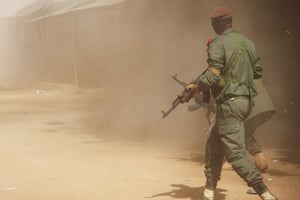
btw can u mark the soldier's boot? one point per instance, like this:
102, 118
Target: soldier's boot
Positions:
268, 196
260, 162
208, 194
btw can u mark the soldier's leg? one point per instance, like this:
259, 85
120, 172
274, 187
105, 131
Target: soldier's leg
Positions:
252, 144
214, 156
230, 125
251, 125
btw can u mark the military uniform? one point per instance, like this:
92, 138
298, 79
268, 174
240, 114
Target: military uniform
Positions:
262, 110
234, 56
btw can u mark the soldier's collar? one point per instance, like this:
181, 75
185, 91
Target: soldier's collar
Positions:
229, 30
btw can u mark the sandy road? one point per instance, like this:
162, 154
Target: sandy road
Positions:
47, 153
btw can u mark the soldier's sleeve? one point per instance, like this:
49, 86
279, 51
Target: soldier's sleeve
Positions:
216, 54
257, 68
256, 62
215, 60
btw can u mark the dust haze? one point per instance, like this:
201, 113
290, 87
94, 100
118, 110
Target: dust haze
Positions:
116, 62
131, 50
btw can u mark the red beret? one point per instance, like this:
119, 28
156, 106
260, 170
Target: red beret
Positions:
222, 12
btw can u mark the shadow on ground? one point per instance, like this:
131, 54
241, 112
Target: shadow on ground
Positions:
184, 191
198, 158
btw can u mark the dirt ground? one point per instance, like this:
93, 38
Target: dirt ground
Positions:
53, 148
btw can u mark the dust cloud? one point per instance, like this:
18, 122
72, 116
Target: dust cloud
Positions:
130, 50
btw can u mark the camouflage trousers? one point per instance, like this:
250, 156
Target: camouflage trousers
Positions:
228, 140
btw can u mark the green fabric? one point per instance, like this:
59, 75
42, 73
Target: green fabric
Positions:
228, 139
236, 58
263, 104
262, 111
252, 144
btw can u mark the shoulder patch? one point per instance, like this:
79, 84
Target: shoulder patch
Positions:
209, 40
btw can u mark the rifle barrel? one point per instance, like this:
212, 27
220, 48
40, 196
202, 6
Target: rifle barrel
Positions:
182, 83
174, 105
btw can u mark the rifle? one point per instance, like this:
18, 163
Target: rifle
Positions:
175, 103
187, 94
197, 96
182, 83
199, 101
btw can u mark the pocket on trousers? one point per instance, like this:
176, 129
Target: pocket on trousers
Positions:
237, 108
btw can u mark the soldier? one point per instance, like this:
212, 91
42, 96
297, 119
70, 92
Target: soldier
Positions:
233, 63
262, 111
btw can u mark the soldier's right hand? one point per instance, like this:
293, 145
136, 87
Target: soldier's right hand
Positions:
188, 92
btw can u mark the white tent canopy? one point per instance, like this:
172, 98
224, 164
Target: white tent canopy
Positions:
45, 8
9, 8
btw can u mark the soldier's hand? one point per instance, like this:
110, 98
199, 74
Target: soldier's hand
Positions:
188, 92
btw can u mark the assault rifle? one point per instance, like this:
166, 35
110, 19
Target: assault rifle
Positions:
186, 94
200, 99
175, 103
